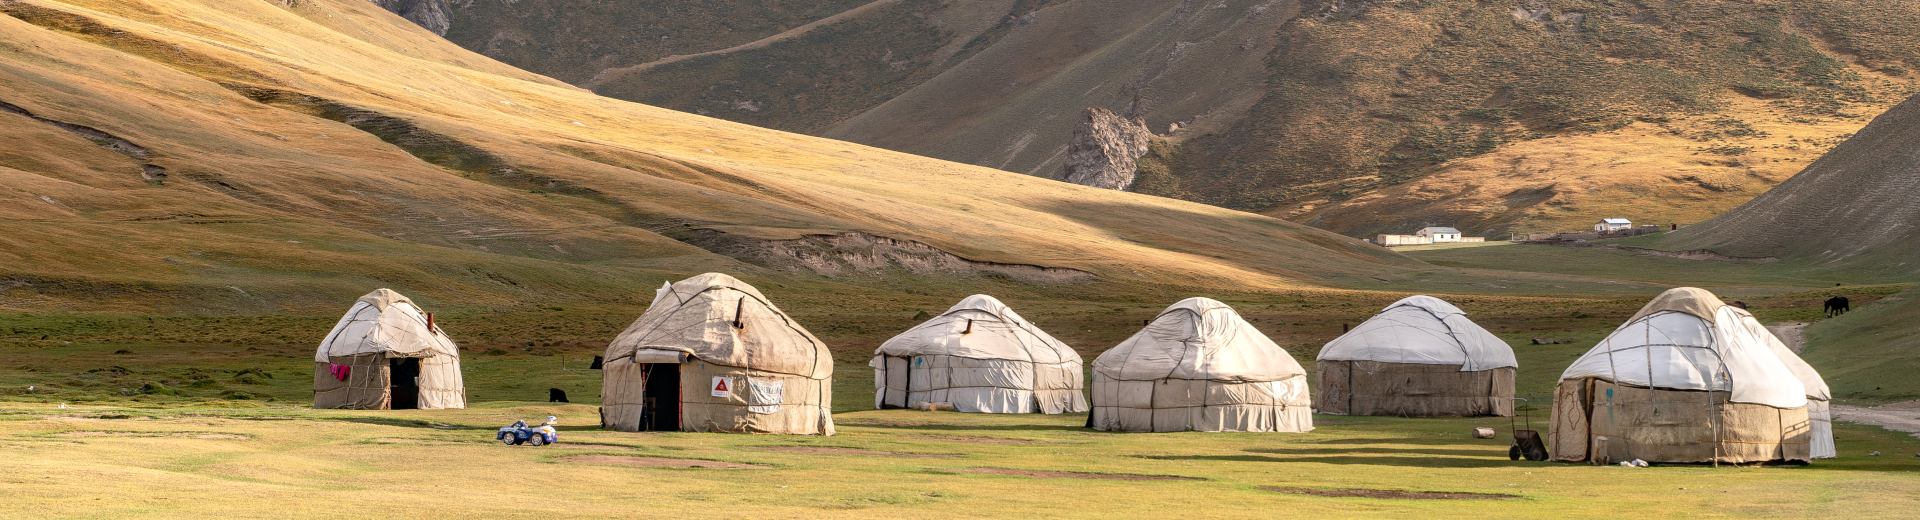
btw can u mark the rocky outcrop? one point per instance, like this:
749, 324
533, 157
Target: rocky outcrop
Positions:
1104, 149
434, 15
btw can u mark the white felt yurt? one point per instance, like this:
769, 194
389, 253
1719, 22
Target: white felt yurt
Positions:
387, 354
1420, 357
1686, 380
712, 354
981, 357
1199, 367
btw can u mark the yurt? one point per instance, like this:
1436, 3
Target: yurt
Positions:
1420, 357
1687, 380
387, 354
981, 357
1199, 367
1819, 398
712, 354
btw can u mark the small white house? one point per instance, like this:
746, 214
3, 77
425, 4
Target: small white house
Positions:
1439, 234
1609, 225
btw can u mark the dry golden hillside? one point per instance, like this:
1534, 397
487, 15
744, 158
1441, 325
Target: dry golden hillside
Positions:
254, 154
1679, 171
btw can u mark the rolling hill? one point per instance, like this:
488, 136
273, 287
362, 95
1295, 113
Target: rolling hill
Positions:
1359, 117
1852, 209
215, 155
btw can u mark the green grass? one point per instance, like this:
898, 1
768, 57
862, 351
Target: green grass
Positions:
1871, 354
92, 462
1616, 264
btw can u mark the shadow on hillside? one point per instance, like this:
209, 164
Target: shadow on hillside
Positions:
1368, 460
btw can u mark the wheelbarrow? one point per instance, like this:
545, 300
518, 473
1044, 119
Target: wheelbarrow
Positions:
1526, 443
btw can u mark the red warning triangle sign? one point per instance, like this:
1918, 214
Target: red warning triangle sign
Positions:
721, 387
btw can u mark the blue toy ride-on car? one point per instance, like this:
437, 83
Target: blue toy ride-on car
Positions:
519, 432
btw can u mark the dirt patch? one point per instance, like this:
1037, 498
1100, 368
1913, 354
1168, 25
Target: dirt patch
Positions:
830, 450
1903, 416
1029, 473
656, 462
1792, 333
977, 440
188, 435
1390, 494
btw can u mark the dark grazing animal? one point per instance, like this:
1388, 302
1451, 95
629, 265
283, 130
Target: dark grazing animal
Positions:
1836, 306
555, 395
596, 363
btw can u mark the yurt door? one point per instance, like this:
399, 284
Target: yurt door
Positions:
406, 383
660, 408
896, 383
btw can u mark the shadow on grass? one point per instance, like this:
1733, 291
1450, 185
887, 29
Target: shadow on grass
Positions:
405, 423
1489, 452
1365, 460
1501, 442
959, 427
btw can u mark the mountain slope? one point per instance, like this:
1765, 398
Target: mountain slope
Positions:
1360, 117
1854, 208
245, 154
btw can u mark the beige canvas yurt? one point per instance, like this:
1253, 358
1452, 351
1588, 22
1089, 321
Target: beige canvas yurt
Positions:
1199, 367
1686, 380
387, 354
981, 357
714, 355
1420, 357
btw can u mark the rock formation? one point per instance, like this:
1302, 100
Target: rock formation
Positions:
1104, 148
434, 15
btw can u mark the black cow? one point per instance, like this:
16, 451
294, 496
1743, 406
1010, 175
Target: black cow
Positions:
1836, 306
555, 395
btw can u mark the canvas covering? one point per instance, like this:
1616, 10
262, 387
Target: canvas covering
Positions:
1422, 330
1398, 363
380, 326
1688, 380
1597, 421
1669, 346
1199, 367
725, 328
1412, 390
1819, 398
982, 357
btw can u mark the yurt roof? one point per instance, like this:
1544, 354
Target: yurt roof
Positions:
980, 327
1668, 346
1198, 338
1816, 386
385, 321
1422, 330
698, 316
1692, 301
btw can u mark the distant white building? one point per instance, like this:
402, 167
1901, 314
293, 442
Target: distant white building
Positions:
1439, 235
1609, 225
1425, 236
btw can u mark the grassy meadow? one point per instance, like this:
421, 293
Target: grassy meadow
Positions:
176, 415
280, 462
